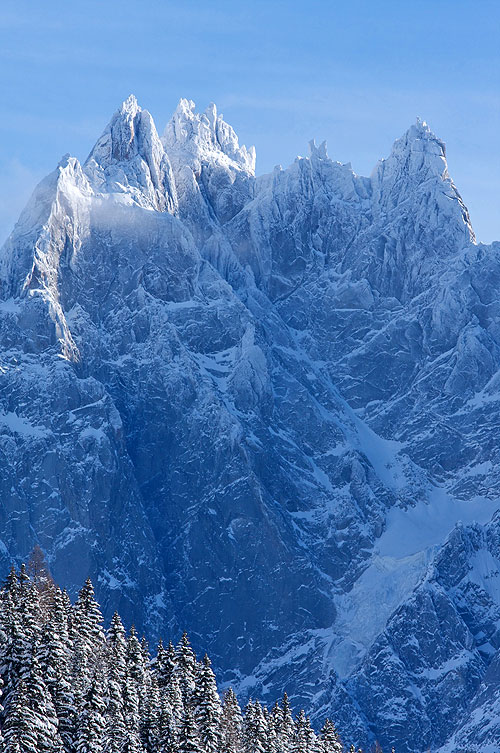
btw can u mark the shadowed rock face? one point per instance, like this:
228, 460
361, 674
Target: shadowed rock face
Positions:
255, 409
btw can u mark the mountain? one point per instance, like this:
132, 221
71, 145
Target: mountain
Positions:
264, 410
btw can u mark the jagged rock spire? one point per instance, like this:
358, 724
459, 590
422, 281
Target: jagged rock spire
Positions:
206, 136
417, 164
129, 154
318, 151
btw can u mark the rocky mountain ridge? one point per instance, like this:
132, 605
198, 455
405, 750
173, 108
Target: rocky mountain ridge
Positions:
258, 408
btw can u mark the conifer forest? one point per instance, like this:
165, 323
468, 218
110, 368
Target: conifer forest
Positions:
70, 686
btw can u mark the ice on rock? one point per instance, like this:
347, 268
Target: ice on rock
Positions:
318, 151
129, 158
206, 136
417, 165
213, 173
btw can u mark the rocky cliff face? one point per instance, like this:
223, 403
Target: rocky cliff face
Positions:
261, 406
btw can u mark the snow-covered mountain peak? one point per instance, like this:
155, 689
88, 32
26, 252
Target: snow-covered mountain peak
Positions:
129, 158
206, 137
30, 256
318, 151
130, 105
120, 139
415, 175
418, 153
421, 144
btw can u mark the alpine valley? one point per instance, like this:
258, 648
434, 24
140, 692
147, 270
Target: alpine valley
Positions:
265, 410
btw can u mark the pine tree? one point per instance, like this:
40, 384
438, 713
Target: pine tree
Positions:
185, 669
68, 611
271, 734
117, 648
88, 637
329, 740
275, 721
137, 684
299, 742
149, 719
285, 726
39, 700
87, 617
11, 584
168, 733
208, 707
254, 729
20, 729
116, 728
55, 653
175, 700
165, 664
30, 615
91, 722
138, 664
23, 577
231, 724
17, 645
189, 741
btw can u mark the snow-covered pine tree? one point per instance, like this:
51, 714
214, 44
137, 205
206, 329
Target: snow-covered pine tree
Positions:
312, 740
274, 725
44, 713
11, 583
16, 644
137, 686
91, 721
185, 669
150, 716
285, 726
23, 577
31, 612
271, 735
116, 644
115, 735
300, 735
138, 665
329, 739
20, 729
254, 729
54, 655
165, 663
208, 709
189, 741
55, 660
88, 635
231, 724
168, 729
173, 694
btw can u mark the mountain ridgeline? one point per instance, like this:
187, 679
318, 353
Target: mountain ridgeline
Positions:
71, 688
265, 410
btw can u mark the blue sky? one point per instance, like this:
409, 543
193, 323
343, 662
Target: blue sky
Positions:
356, 73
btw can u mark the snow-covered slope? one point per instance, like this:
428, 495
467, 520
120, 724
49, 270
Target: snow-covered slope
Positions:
261, 407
